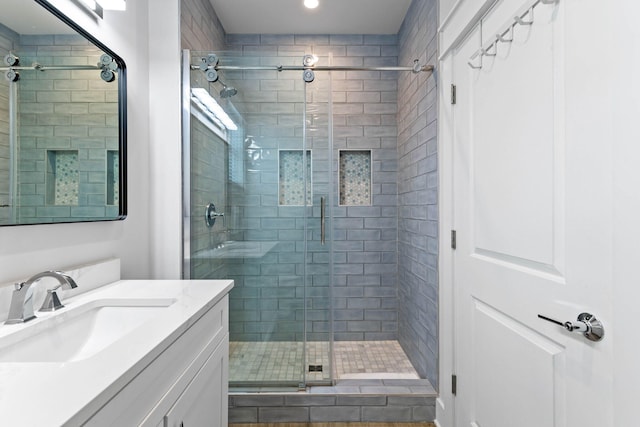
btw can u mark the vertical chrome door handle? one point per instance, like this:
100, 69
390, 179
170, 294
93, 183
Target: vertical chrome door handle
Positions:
322, 224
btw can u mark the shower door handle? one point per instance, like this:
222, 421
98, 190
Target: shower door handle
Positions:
322, 224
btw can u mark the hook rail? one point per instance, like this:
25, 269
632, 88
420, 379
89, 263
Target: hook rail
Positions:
524, 17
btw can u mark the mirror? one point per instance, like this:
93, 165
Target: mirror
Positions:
62, 120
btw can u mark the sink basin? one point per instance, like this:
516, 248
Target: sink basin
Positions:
80, 332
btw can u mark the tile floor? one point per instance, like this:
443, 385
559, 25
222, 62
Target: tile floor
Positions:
273, 362
350, 424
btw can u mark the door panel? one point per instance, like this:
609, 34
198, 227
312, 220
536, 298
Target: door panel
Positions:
528, 238
501, 345
514, 196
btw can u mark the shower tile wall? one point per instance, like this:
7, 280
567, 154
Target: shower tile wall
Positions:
7, 40
61, 111
417, 192
209, 173
365, 237
200, 27
365, 106
201, 31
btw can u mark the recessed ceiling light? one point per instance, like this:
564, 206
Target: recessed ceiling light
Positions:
311, 4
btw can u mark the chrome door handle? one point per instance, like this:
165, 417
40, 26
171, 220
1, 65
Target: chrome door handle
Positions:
322, 224
591, 328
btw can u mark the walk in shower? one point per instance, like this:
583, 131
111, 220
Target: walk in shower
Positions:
285, 194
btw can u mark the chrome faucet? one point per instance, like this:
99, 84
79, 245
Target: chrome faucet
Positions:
21, 308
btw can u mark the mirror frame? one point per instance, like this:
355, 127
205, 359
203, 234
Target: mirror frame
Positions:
122, 119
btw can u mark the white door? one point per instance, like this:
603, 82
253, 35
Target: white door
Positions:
532, 212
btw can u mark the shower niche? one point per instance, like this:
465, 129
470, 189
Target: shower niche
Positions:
294, 178
355, 177
62, 178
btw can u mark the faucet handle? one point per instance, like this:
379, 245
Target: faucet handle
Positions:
51, 301
21, 307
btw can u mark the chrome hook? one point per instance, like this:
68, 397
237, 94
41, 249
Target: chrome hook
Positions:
486, 52
502, 37
521, 21
472, 65
473, 57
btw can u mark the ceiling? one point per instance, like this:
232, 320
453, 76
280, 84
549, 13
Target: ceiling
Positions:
331, 17
28, 17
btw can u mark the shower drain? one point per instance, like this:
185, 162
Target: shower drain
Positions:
315, 368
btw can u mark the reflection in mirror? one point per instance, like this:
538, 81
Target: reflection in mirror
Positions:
62, 132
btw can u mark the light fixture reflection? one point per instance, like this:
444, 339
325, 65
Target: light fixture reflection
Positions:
311, 4
211, 107
91, 4
98, 6
113, 4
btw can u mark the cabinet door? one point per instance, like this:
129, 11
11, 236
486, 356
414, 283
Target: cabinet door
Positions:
204, 402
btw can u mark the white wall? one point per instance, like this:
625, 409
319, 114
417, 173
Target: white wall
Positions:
25, 250
165, 135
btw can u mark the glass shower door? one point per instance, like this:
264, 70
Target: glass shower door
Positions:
261, 167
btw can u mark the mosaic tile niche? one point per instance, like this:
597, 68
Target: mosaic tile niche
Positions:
62, 177
290, 178
113, 175
355, 178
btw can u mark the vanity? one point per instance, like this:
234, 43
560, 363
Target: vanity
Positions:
119, 352
132, 352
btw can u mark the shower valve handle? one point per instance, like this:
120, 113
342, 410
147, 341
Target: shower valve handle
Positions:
586, 323
211, 215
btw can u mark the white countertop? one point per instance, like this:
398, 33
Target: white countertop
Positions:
52, 394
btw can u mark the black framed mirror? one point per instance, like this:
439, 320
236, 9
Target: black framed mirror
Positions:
62, 120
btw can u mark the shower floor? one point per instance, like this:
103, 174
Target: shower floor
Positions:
280, 361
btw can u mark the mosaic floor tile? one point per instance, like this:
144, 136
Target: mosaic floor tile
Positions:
282, 361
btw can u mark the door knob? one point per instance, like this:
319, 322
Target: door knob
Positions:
591, 328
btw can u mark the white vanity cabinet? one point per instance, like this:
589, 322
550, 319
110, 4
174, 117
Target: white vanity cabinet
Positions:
202, 404
185, 385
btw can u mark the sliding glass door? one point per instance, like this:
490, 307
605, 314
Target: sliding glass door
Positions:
258, 192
